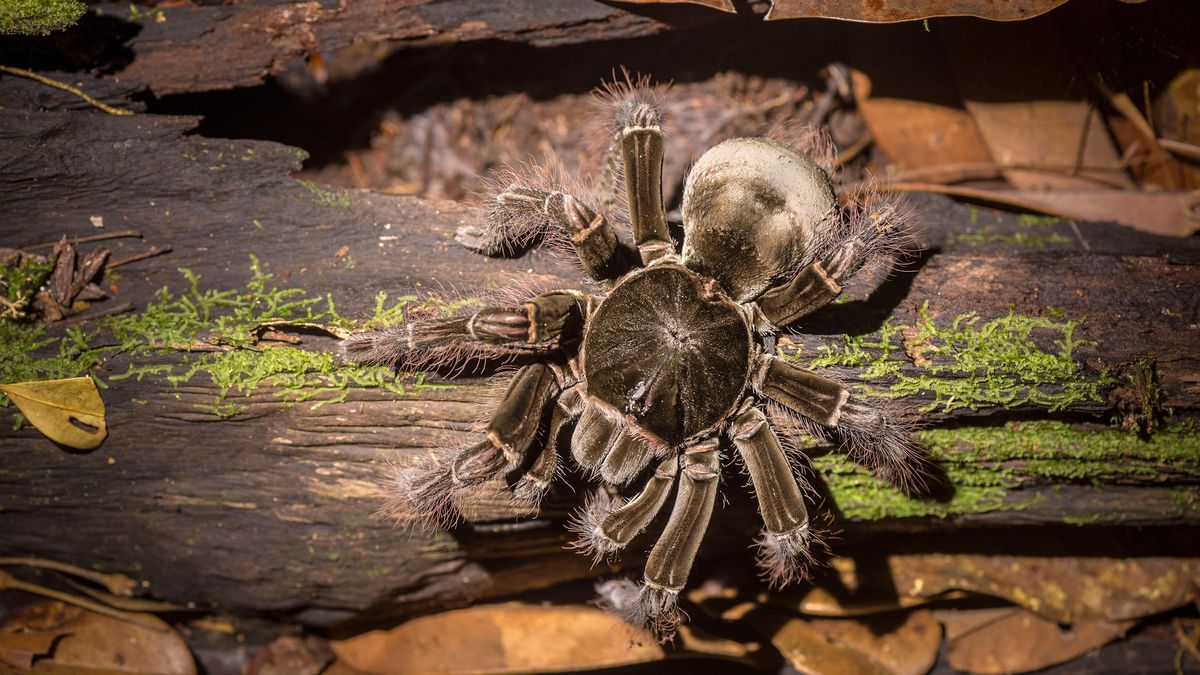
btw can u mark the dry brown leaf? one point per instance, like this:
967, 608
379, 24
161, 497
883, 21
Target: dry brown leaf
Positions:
1063, 589
1031, 107
893, 645
20, 649
918, 133
1015, 640
891, 11
54, 406
1161, 212
819, 601
89, 643
501, 638
723, 5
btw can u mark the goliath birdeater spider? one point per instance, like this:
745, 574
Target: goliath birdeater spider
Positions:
672, 367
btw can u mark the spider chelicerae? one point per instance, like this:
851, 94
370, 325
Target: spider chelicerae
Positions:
650, 383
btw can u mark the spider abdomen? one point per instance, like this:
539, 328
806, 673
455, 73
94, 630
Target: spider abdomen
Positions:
668, 352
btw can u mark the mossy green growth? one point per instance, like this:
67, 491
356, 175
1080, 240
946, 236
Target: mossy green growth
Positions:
38, 17
1028, 239
985, 463
324, 196
972, 363
216, 330
229, 319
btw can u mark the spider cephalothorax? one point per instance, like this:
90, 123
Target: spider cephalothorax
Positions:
650, 384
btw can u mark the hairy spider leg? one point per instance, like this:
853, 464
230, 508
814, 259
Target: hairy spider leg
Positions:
533, 483
877, 435
540, 325
811, 289
640, 139
673, 554
816, 397
874, 226
522, 213
785, 547
605, 444
605, 526
424, 493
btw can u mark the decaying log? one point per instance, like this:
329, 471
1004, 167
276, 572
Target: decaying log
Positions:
174, 46
270, 510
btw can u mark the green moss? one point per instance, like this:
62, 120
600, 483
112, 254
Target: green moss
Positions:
324, 196
222, 323
972, 363
985, 463
38, 17
987, 235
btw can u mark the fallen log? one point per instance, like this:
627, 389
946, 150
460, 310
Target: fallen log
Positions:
240, 473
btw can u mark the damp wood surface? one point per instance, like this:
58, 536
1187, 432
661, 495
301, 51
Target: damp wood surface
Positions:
172, 47
269, 511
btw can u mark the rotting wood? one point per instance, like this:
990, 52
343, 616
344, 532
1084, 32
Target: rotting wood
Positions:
174, 47
270, 511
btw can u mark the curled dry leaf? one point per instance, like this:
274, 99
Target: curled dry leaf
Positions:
891, 11
1060, 588
502, 638
1013, 640
69, 412
889, 644
85, 642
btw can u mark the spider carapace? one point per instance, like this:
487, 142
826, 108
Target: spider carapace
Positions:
651, 381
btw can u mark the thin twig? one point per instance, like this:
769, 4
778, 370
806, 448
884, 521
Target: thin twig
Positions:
95, 237
8, 582
21, 72
88, 316
154, 250
117, 584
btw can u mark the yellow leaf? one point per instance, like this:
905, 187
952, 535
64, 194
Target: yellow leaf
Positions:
69, 412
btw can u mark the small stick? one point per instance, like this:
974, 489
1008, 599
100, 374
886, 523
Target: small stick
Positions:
154, 250
95, 237
88, 316
117, 584
21, 72
8, 582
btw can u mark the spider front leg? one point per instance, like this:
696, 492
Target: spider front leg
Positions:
785, 548
875, 433
538, 326
640, 140
653, 605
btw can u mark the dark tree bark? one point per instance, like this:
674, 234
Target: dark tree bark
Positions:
270, 511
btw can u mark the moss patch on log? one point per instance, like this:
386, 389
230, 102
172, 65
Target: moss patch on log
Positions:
38, 17
217, 330
972, 363
983, 464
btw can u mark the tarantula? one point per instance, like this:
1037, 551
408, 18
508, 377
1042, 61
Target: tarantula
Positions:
674, 365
